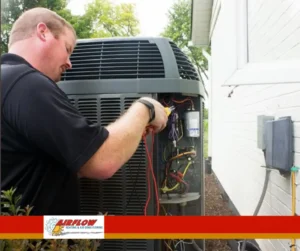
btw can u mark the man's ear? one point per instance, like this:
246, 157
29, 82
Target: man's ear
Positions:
41, 31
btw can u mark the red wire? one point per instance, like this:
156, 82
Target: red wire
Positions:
148, 177
154, 179
150, 171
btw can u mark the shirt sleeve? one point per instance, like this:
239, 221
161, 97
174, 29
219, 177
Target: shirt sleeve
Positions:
39, 111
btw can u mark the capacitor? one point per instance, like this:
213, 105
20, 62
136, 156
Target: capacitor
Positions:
192, 123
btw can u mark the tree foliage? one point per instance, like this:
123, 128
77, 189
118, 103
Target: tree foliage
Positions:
82, 24
110, 20
12, 9
179, 30
101, 19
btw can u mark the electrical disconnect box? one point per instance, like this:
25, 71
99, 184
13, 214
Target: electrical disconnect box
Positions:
261, 123
279, 144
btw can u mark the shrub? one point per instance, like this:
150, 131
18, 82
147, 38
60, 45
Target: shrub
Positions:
10, 202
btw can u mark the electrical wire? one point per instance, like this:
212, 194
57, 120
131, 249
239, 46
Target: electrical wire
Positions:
195, 245
135, 183
168, 246
164, 102
173, 135
148, 180
183, 101
180, 180
165, 211
134, 187
181, 129
167, 189
249, 245
164, 187
182, 243
266, 182
149, 173
183, 154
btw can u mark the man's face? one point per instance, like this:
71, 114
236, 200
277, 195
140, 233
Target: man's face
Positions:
57, 53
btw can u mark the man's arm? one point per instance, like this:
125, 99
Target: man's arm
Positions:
124, 137
39, 111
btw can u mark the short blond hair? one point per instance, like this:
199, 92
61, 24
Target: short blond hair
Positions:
26, 24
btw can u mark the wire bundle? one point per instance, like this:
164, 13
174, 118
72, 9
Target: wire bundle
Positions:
176, 244
173, 134
176, 176
174, 179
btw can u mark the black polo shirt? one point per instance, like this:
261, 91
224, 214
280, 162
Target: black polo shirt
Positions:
44, 140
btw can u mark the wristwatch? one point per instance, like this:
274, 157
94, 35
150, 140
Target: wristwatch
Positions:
150, 107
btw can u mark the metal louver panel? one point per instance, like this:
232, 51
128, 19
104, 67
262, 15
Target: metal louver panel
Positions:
90, 202
88, 108
122, 59
112, 245
135, 173
136, 245
89, 189
72, 101
110, 110
112, 195
128, 245
126, 192
185, 67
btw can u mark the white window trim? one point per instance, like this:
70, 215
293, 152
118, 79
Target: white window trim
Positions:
246, 73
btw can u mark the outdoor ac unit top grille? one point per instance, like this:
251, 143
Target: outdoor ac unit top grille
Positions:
185, 67
115, 60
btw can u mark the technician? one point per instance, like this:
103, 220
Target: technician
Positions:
45, 142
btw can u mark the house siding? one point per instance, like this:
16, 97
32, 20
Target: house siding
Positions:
236, 160
273, 28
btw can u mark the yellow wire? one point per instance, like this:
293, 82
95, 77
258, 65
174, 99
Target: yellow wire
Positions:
181, 131
166, 189
164, 209
182, 154
168, 246
174, 187
164, 153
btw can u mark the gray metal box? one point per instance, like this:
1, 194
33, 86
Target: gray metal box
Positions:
261, 123
279, 144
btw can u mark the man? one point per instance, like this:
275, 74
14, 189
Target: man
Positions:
46, 143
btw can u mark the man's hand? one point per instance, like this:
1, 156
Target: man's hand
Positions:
161, 118
124, 138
